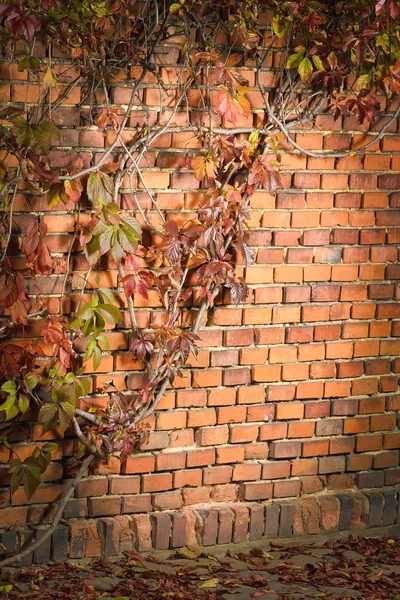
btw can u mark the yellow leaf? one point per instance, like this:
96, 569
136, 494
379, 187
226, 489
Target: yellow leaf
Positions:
50, 80
210, 583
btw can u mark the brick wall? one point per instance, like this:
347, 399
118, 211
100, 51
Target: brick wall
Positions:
292, 400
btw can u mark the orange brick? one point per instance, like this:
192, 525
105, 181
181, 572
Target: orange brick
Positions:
291, 410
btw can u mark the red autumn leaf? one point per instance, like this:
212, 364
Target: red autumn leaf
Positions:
73, 188
227, 107
264, 174
102, 119
138, 282
141, 346
19, 310
30, 240
11, 286
15, 359
204, 166
55, 333
35, 249
231, 107
43, 264
24, 25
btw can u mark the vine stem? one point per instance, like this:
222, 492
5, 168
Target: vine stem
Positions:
60, 510
14, 193
131, 307
292, 141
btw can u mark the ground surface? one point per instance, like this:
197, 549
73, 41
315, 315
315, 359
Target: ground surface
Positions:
367, 568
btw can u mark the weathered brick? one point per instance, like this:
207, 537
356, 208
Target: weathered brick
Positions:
178, 537
161, 525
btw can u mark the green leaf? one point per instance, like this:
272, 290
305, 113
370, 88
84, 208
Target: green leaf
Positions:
23, 403
305, 68
363, 81
104, 340
84, 385
50, 447
65, 415
24, 134
96, 357
294, 60
134, 226
9, 387
16, 479
43, 135
32, 479
279, 26
10, 407
100, 188
174, 8
109, 312
99, 324
318, 63
76, 322
30, 383
89, 326
28, 62
89, 349
48, 411
106, 295
92, 250
56, 194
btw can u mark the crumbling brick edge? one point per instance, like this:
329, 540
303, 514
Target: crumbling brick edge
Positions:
206, 525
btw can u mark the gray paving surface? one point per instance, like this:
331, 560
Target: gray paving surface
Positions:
368, 569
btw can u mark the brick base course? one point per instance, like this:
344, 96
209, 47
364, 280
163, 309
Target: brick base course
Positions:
206, 525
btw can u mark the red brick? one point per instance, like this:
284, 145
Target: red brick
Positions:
144, 463
276, 470
315, 410
290, 410
256, 491
230, 454
315, 448
251, 394
295, 372
308, 466
201, 417
190, 477
170, 461
301, 430
285, 489
283, 449
368, 443
309, 390
210, 436
281, 392
217, 475
243, 433
171, 420
191, 398
222, 397
273, 431
157, 482
196, 495
247, 472
282, 354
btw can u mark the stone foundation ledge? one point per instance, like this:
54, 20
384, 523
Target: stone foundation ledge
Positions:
206, 525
